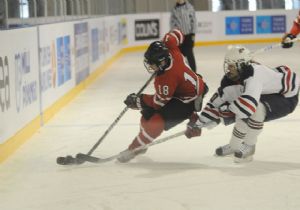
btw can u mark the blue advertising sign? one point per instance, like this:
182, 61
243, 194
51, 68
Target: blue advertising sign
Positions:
232, 25
263, 24
270, 24
81, 36
95, 44
60, 60
246, 25
67, 58
279, 24
239, 25
63, 55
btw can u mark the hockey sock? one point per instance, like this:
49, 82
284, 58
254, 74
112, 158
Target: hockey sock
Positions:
150, 129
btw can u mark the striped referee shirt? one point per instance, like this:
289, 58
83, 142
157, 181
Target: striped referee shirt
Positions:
183, 17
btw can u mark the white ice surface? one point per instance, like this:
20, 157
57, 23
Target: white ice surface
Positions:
179, 174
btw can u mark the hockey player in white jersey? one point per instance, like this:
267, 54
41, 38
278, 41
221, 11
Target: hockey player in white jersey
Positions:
250, 94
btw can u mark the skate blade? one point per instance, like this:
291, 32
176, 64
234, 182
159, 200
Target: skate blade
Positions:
223, 156
243, 160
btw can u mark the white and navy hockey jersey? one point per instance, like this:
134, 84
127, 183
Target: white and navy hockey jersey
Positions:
243, 97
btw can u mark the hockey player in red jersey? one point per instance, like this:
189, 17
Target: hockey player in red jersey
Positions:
249, 95
295, 30
178, 93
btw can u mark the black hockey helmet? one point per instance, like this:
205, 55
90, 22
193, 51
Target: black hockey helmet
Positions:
157, 54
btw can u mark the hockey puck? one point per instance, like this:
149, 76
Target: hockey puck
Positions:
61, 160
68, 160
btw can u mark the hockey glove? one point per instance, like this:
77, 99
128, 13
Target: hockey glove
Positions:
133, 101
227, 116
246, 71
286, 40
194, 126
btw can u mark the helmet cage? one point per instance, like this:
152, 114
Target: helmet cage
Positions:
160, 66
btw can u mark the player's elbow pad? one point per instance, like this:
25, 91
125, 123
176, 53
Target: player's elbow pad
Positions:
178, 35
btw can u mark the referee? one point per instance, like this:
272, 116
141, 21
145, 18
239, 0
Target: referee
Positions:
183, 17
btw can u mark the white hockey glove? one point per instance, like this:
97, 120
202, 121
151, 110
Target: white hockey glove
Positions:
225, 112
226, 116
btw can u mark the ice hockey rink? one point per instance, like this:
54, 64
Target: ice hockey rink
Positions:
179, 174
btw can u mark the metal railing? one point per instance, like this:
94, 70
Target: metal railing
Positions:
18, 13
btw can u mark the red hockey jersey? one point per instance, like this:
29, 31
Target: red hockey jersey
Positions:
178, 80
295, 30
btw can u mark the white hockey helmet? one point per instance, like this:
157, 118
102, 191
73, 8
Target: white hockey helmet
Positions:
236, 55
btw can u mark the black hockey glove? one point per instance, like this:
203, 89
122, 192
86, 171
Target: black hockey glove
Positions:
246, 71
285, 43
133, 101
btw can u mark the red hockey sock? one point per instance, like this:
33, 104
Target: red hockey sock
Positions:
150, 129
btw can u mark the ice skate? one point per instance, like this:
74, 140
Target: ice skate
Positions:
244, 154
127, 155
224, 150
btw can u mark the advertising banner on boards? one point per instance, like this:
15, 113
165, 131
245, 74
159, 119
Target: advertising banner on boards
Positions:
270, 24
147, 29
81, 38
19, 80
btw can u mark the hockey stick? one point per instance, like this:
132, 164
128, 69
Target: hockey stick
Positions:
92, 159
271, 47
69, 160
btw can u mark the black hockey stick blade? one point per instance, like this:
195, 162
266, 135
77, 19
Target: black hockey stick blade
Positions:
88, 158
